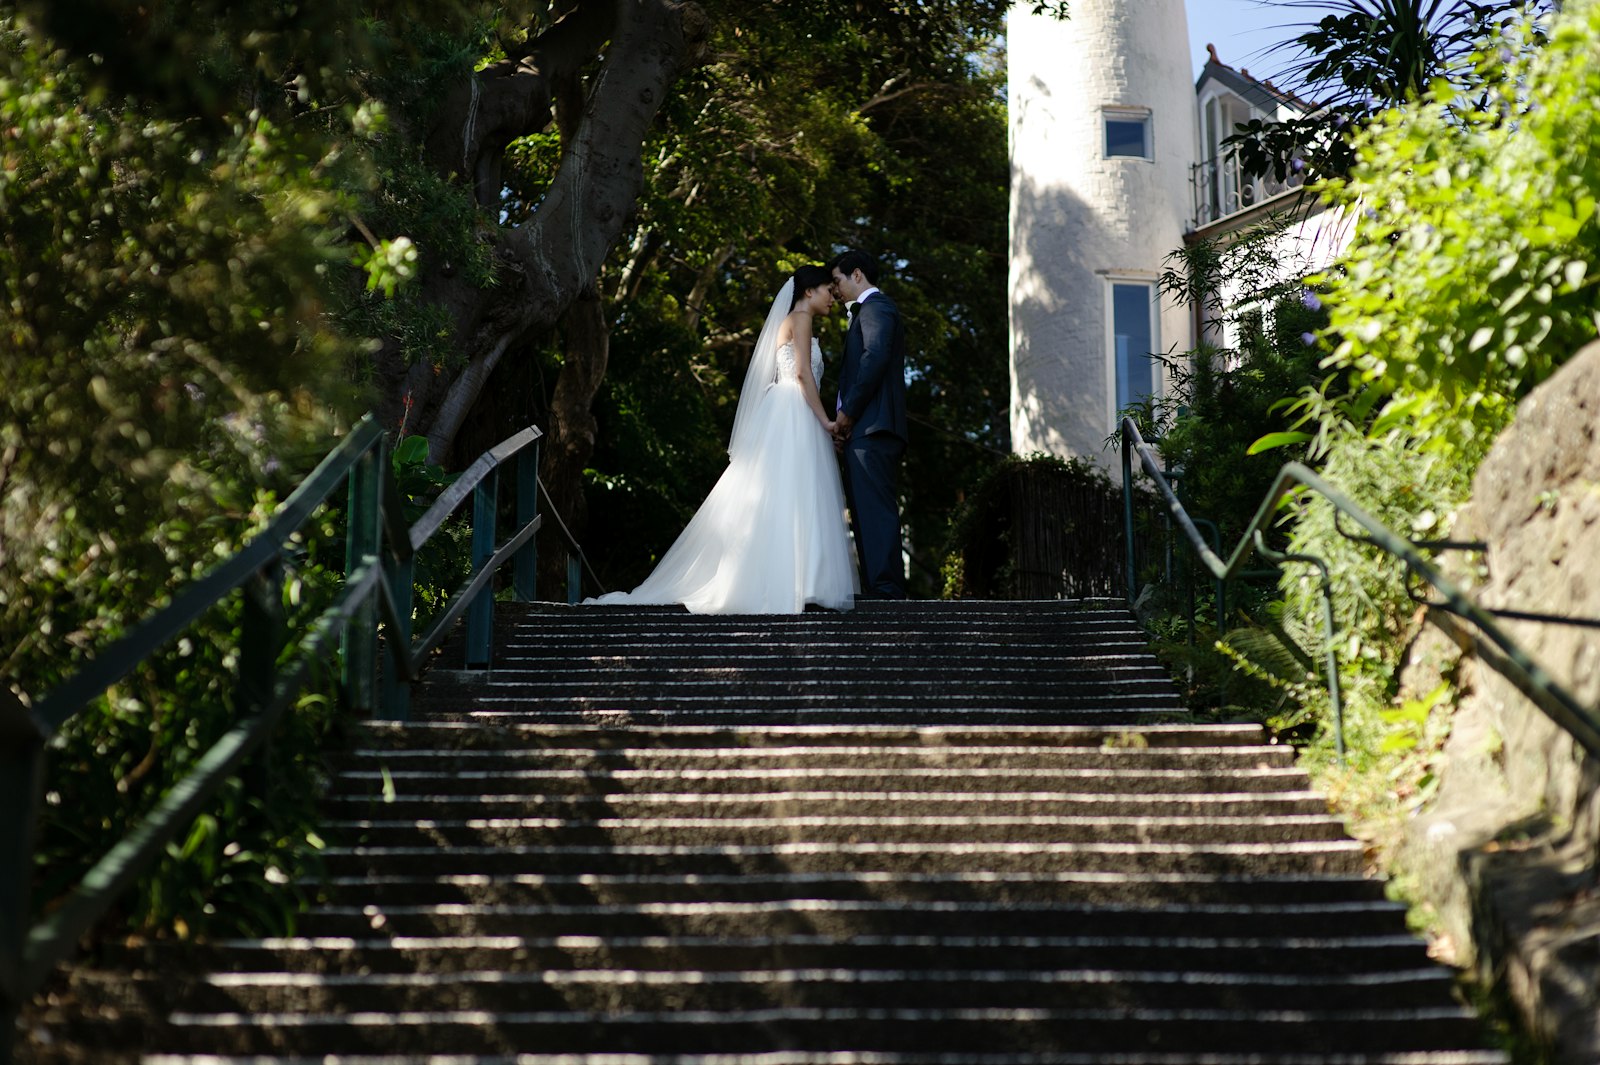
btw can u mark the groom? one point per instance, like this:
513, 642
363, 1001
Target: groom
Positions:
871, 421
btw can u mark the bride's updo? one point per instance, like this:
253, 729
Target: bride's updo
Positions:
807, 278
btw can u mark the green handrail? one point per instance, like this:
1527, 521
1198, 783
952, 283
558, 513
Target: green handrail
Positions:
380, 551
1492, 643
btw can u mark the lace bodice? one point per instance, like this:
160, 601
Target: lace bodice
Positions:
786, 365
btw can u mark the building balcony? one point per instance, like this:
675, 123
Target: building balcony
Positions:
1221, 189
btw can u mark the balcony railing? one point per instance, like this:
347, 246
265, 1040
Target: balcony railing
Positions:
1221, 189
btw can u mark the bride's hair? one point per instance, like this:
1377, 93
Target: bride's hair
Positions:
807, 278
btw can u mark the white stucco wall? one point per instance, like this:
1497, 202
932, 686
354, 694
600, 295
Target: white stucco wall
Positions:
1080, 219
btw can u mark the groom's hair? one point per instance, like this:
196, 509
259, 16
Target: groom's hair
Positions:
853, 260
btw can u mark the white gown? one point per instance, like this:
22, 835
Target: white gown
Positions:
771, 537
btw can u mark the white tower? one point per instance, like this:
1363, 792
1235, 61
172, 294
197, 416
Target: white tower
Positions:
1102, 141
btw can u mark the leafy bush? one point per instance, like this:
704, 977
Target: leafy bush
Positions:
170, 373
1470, 279
1037, 527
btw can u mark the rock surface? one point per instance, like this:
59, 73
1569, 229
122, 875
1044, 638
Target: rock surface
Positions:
1507, 850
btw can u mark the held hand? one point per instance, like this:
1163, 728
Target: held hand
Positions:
841, 431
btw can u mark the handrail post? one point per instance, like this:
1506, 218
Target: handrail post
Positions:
1332, 664
401, 578
262, 635
362, 540
1127, 511
21, 783
525, 564
480, 613
574, 579
398, 567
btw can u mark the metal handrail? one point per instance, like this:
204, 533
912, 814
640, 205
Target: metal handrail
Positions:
378, 588
577, 561
1492, 643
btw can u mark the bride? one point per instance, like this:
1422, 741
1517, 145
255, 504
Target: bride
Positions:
771, 536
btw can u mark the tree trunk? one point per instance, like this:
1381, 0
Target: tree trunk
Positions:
569, 444
544, 264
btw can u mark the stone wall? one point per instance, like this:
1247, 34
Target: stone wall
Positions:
1506, 851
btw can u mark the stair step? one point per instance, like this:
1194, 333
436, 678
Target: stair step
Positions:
690, 1030
1331, 856
878, 758
877, 1057
613, 713
907, 834
382, 779
823, 987
370, 952
848, 918
497, 732
806, 828
1121, 889
832, 803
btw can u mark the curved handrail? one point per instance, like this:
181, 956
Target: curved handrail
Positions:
377, 589
1581, 722
122, 656
574, 549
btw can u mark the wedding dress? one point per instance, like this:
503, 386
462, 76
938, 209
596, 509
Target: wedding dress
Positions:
771, 537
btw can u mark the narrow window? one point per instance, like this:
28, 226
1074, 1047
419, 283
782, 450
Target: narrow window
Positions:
1128, 134
1133, 339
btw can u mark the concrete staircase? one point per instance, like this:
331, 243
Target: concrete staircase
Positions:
913, 833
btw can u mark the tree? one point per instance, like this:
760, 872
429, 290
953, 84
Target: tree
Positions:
1364, 56
898, 147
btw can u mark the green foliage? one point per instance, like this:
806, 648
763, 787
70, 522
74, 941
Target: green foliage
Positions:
1361, 57
1221, 424
1470, 278
171, 370
442, 564
783, 149
1471, 275
1035, 527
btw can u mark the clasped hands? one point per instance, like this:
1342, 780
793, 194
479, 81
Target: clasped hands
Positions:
841, 430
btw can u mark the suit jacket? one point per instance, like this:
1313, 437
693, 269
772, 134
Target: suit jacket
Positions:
872, 378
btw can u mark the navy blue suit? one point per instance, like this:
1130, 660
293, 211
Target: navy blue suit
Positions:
872, 391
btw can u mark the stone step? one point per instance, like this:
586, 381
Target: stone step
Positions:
1331, 856
843, 919
963, 665
797, 988
935, 690
779, 708
691, 1030
647, 712
899, 686
905, 618
946, 833
387, 952
919, 648
495, 732
956, 645
879, 758
383, 779
900, 829
1097, 889
824, 803
822, 1057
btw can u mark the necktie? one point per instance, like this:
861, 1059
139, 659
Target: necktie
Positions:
850, 308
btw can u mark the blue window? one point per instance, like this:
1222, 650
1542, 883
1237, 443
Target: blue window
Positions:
1133, 339
1128, 135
